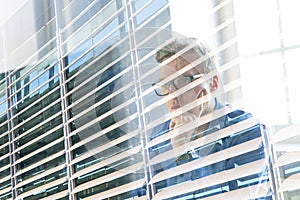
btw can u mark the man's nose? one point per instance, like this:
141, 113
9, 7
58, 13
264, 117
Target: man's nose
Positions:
172, 88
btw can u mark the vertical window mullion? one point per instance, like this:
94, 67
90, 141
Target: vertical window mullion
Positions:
12, 146
63, 89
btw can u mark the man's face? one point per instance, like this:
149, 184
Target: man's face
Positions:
191, 94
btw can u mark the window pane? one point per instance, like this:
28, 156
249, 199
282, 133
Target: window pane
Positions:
255, 85
292, 63
289, 15
42, 168
259, 38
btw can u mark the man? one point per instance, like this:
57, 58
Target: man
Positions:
198, 70
189, 83
189, 61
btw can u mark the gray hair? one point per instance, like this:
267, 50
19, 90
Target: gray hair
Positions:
196, 48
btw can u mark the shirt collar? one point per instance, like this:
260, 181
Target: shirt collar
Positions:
218, 123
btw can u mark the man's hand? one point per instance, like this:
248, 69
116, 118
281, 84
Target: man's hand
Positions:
178, 134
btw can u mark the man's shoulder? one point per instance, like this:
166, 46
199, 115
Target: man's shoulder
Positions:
237, 116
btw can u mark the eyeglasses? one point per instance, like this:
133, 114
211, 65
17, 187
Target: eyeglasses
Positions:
179, 82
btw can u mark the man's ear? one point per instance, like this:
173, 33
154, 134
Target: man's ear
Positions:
214, 83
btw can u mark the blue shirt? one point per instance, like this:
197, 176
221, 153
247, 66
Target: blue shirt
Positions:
217, 124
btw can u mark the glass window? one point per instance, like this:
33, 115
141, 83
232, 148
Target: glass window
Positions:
137, 4
129, 195
42, 181
109, 27
82, 61
40, 156
104, 81
109, 185
34, 69
5, 184
42, 168
64, 198
289, 13
292, 61
3, 162
90, 176
264, 40
5, 172
84, 30
3, 138
36, 120
35, 105
5, 196
98, 62
294, 194
119, 165
40, 143
3, 125
86, 163
74, 8
124, 180
27, 85
88, 192
4, 150
39, 131
48, 192
28, 29
105, 154
254, 97
3, 96
149, 10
